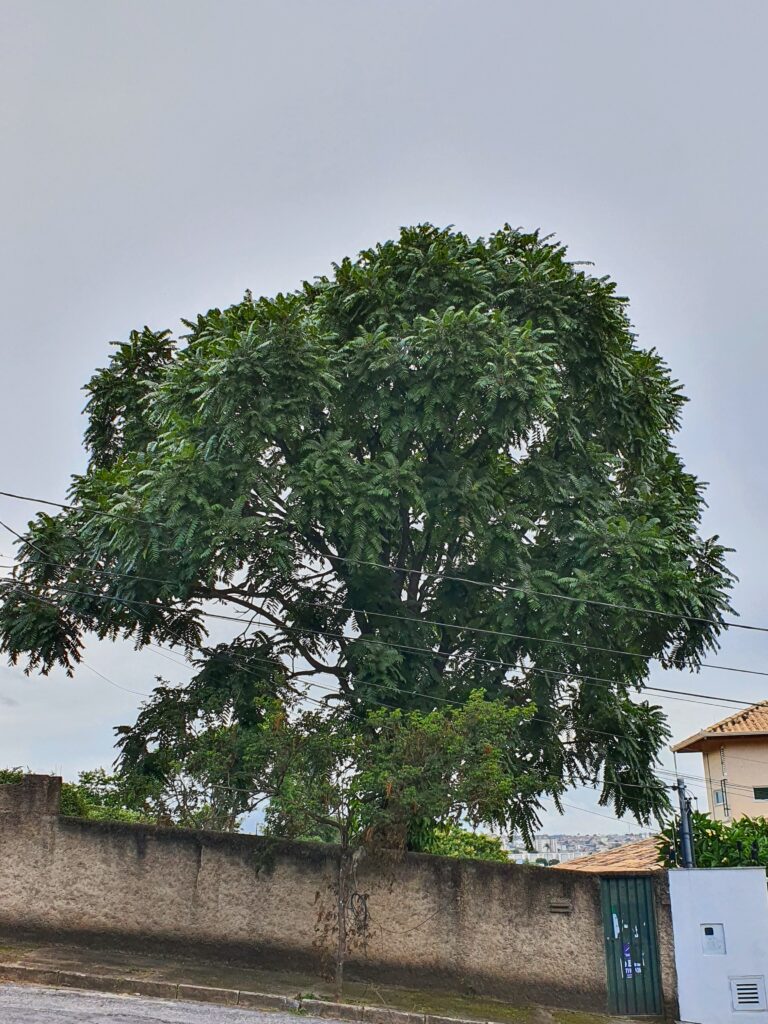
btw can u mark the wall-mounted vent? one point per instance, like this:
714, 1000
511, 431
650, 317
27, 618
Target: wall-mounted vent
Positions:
560, 906
748, 993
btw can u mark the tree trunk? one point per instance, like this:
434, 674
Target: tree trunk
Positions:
345, 868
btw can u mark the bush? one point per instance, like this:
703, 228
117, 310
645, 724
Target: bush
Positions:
73, 801
95, 795
451, 840
717, 844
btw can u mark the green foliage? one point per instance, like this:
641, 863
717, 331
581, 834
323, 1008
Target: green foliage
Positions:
95, 795
402, 779
473, 761
473, 410
100, 796
188, 759
717, 844
73, 801
451, 840
330, 777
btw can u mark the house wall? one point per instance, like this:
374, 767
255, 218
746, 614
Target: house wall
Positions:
522, 933
746, 765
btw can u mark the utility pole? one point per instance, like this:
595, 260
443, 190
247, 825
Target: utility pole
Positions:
686, 835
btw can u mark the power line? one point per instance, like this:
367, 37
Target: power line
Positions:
502, 587
139, 693
696, 781
495, 663
672, 774
94, 569
489, 661
444, 700
580, 645
392, 707
572, 781
231, 618
679, 695
101, 675
563, 643
587, 810
523, 636
432, 622
660, 771
445, 625
666, 694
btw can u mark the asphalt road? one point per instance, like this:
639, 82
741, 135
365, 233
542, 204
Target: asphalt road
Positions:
21, 1004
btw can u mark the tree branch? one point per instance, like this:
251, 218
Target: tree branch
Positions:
285, 629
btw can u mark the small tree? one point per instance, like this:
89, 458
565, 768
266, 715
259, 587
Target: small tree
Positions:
381, 781
189, 757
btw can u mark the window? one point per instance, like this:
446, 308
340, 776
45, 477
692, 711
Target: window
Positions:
761, 792
719, 797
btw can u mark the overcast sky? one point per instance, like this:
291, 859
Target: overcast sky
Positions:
159, 159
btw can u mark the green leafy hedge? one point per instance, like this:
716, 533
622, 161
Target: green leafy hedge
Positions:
717, 844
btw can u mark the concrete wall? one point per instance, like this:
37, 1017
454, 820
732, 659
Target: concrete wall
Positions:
665, 934
497, 929
733, 904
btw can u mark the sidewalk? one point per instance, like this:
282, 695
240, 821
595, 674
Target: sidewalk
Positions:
173, 977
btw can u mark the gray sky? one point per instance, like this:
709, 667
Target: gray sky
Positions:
159, 159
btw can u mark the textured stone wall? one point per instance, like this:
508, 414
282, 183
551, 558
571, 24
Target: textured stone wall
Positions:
666, 942
497, 929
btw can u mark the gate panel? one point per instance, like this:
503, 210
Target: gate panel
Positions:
631, 945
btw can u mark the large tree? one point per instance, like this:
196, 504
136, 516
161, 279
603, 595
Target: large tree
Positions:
446, 466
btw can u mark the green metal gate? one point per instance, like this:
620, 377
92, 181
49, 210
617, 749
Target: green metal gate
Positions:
631, 946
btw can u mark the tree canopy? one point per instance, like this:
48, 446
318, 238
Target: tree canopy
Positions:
447, 466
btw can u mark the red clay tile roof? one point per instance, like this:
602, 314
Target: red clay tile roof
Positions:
638, 858
750, 722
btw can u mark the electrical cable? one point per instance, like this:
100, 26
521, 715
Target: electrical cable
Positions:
453, 702
474, 629
423, 572
392, 688
110, 598
497, 663
543, 640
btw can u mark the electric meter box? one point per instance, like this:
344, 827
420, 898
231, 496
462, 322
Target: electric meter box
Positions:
713, 940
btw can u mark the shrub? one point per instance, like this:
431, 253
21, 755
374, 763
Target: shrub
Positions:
717, 844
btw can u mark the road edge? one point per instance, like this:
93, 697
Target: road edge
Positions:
123, 985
